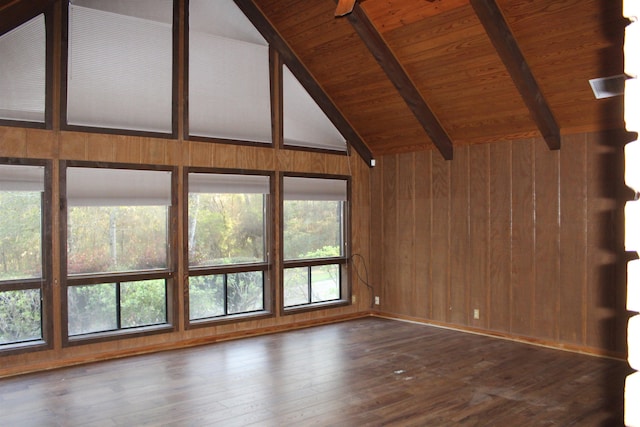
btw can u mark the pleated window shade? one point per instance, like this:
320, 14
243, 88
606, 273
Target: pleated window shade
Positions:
21, 178
22, 72
300, 188
117, 187
228, 183
229, 88
119, 67
305, 124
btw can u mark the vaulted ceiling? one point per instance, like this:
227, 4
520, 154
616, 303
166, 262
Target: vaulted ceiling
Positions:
411, 75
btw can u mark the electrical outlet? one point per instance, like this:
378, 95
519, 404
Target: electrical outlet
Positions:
377, 300
476, 313
353, 299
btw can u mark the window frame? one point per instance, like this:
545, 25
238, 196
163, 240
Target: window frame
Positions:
44, 283
265, 267
342, 261
49, 29
169, 274
64, 71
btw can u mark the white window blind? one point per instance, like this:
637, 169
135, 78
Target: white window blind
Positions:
305, 124
21, 178
119, 70
229, 89
22, 72
298, 188
228, 183
117, 187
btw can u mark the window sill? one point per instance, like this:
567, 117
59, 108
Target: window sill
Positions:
315, 306
23, 347
232, 318
97, 337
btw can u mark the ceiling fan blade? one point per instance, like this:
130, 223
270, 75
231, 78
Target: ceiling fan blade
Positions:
345, 7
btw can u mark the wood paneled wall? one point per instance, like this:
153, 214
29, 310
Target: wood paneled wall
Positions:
531, 238
65, 145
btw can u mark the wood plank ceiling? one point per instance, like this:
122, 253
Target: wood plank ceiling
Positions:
475, 84
412, 75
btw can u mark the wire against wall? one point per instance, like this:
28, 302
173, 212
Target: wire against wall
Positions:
366, 275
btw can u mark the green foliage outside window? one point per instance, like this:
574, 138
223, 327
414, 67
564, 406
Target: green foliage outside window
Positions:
20, 235
116, 238
20, 318
93, 308
20, 258
226, 229
312, 229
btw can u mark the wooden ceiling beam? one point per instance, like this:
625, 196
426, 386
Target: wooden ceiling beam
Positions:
403, 83
275, 40
505, 44
16, 12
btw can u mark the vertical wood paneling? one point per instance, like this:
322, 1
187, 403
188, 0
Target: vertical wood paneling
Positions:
573, 238
500, 237
546, 241
390, 285
423, 249
377, 266
41, 144
522, 237
459, 296
73, 146
479, 231
440, 229
14, 142
100, 147
361, 231
526, 235
406, 236
128, 149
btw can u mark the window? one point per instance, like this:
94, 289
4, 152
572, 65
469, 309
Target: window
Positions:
304, 122
24, 264
118, 256
314, 244
229, 87
120, 65
23, 72
227, 240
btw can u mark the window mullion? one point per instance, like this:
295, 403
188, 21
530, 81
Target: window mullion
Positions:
310, 298
118, 308
225, 294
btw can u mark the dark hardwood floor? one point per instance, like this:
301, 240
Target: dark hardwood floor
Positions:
369, 371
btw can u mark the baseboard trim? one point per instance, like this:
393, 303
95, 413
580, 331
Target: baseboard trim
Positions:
573, 348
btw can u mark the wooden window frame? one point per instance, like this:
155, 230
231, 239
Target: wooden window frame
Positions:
64, 65
44, 283
169, 274
342, 261
266, 267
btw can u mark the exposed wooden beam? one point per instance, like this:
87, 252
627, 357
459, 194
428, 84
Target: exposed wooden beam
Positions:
255, 15
505, 44
16, 12
398, 76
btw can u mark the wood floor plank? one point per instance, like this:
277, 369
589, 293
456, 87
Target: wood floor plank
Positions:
365, 372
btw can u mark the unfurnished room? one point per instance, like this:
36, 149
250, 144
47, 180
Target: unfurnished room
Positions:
328, 212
